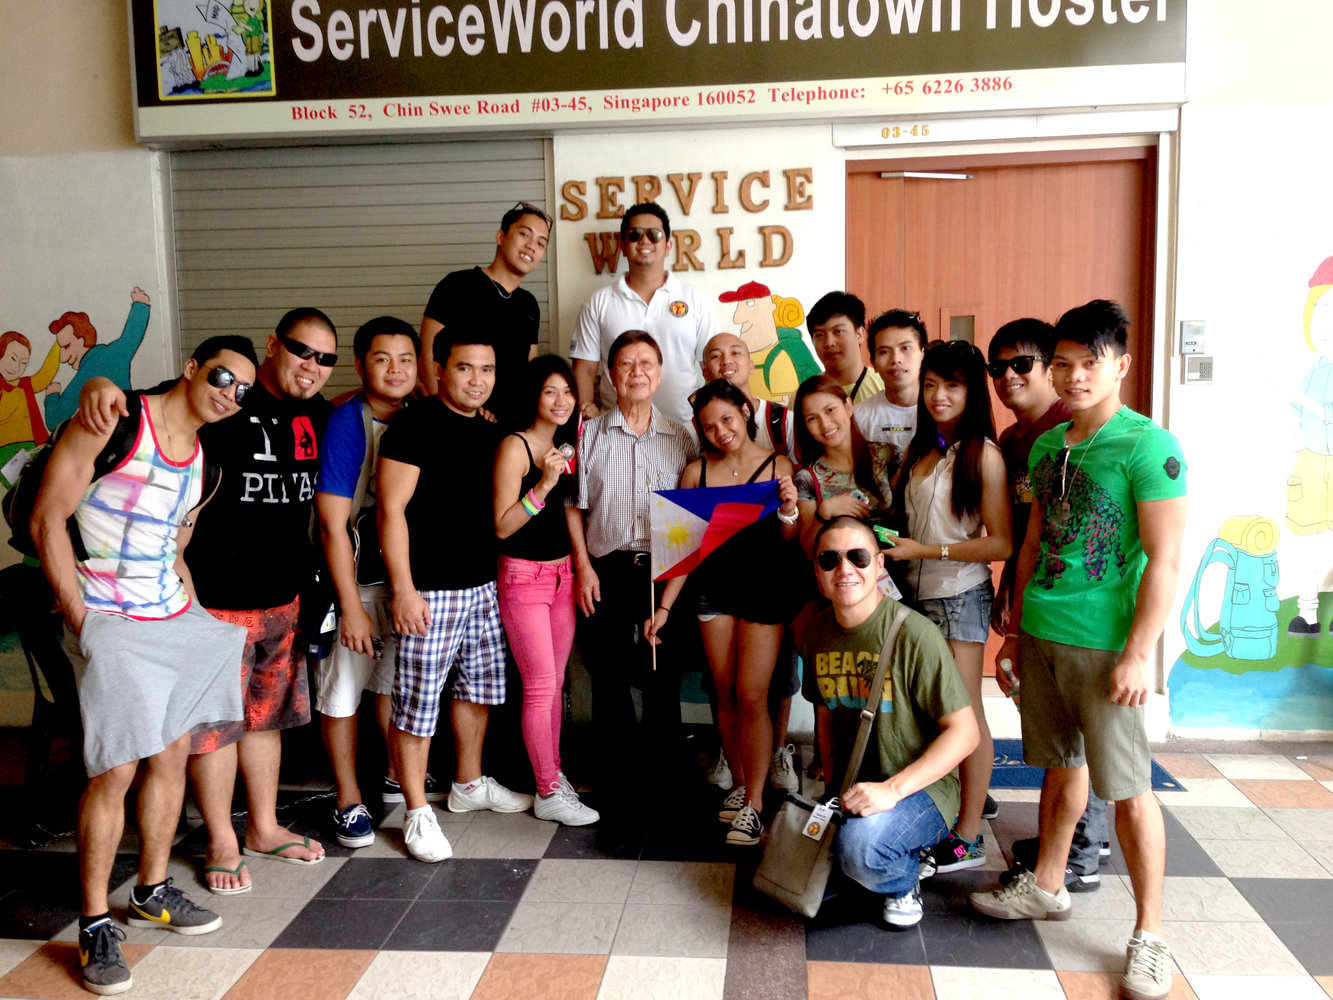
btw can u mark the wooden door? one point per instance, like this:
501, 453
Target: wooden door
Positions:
1018, 238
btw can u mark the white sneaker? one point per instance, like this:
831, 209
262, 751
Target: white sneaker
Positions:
720, 773
424, 838
781, 774
1147, 968
487, 793
903, 911
563, 806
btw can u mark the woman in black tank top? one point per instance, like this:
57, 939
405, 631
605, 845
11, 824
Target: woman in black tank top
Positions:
745, 589
535, 582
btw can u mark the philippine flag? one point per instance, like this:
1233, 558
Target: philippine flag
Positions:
689, 524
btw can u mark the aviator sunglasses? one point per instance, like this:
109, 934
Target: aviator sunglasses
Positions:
1022, 364
305, 351
636, 233
221, 378
830, 559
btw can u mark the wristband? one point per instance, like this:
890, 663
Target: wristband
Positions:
663, 607
788, 519
531, 504
820, 517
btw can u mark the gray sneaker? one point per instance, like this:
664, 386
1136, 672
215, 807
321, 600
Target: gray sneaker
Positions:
104, 970
1023, 899
782, 774
902, 912
1147, 969
732, 804
169, 909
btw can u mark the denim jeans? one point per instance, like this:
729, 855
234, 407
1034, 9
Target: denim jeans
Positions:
1085, 852
880, 851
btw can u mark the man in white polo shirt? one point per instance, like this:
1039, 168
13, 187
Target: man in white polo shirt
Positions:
646, 297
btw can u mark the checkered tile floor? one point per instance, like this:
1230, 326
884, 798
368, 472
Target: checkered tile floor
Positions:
661, 908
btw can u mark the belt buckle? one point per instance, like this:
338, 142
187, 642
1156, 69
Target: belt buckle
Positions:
641, 558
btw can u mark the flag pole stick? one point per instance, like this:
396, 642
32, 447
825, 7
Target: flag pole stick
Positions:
652, 613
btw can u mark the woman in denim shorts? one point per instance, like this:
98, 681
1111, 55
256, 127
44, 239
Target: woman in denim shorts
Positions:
952, 488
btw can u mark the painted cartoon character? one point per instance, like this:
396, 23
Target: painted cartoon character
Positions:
1309, 502
250, 26
770, 326
76, 339
21, 426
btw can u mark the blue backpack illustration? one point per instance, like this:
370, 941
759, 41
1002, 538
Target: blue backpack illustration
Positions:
1248, 621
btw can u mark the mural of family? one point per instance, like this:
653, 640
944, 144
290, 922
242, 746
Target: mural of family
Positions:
1267, 663
26, 420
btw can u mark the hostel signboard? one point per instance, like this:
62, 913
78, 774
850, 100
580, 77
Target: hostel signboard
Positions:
209, 70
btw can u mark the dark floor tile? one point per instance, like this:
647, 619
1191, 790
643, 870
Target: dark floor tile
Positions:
602, 840
378, 878
479, 879
452, 925
766, 957
1289, 900
348, 924
1309, 942
44, 891
848, 929
956, 939
949, 893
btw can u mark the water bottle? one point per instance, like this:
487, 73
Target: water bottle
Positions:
1007, 668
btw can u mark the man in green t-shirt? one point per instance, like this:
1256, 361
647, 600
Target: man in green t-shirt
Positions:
907, 797
1096, 577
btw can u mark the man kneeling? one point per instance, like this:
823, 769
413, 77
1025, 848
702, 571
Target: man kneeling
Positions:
154, 664
907, 795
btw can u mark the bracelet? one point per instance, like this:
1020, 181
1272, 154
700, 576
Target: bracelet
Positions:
820, 517
944, 553
531, 504
1011, 635
663, 607
788, 519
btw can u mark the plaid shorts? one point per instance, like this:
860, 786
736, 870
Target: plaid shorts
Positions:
274, 685
466, 639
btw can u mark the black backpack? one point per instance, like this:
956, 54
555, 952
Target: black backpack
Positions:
19, 503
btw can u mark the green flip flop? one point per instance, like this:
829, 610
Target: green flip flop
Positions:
236, 891
276, 853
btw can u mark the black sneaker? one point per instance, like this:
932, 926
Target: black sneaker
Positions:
104, 970
952, 854
991, 809
1074, 882
169, 909
746, 828
393, 792
1025, 854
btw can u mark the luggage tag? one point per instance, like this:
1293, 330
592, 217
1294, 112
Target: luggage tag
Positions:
820, 818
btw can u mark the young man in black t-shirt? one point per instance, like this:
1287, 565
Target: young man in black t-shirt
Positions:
487, 302
437, 533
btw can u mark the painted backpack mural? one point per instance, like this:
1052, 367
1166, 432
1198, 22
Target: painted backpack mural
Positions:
1267, 662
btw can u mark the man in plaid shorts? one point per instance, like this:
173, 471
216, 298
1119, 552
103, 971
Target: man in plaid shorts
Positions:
437, 533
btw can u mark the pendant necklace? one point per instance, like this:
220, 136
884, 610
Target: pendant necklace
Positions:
1068, 484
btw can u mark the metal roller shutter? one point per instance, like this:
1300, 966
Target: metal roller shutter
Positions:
357, 231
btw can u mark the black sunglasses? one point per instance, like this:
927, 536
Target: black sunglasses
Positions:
305, 351
221, 378
636, 233
1022, 364
830, 559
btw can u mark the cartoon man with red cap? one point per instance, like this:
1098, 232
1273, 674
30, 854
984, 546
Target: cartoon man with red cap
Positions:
1308, 500
782, 358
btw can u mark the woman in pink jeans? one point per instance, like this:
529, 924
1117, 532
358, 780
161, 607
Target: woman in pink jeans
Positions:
536, 579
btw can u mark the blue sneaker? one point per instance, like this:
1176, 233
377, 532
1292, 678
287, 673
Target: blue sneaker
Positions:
352, 826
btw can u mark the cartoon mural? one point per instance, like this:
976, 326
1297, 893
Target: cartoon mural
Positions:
770, 326
1249, 671
77, 339
214, 49
21, 425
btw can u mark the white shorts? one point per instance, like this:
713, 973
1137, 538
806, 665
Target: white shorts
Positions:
343, 675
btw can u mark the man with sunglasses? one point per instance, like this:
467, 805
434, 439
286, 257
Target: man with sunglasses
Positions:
907, 794
1019, 356
490, 299
271, 458
646, 297
151, 663
897, 345
1096, 578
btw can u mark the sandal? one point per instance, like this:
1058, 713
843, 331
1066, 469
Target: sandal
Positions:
277, 855
234, 890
